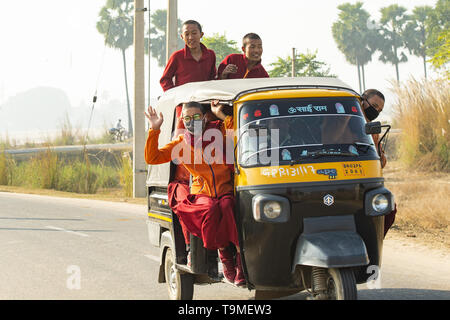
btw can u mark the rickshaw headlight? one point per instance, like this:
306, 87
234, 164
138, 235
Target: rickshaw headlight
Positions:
272, 209
380, 203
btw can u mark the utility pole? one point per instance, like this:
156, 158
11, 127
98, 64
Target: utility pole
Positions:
293, 62
139, 165
172, 28
149, 53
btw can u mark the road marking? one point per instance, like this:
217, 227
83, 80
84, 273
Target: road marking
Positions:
152, 257
68, 231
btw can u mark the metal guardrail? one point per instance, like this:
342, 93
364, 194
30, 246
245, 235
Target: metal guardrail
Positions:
78, 148
69, 149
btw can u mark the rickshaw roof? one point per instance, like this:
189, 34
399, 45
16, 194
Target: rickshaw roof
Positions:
232, 89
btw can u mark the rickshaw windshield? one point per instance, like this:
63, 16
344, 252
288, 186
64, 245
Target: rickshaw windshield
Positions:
279, 131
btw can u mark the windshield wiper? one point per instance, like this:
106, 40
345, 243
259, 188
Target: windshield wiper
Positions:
322, 153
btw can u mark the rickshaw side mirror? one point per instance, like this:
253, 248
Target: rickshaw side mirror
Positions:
373, 127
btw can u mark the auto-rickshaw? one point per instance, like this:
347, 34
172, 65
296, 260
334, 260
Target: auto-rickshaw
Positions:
310, 196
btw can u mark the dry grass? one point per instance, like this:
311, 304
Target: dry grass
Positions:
422, 112
422, 199
126, 175
420, 179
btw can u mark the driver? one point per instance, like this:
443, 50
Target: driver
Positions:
284, 131
373, 105
208, 211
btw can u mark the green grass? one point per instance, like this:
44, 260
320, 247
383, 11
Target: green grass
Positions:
84, 174
47, 171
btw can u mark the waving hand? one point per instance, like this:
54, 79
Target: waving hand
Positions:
153, 118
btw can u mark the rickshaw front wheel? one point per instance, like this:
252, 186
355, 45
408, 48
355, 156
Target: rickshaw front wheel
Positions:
180, 286
341, 284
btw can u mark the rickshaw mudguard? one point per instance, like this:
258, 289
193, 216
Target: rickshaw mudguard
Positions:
166, 242
330, 242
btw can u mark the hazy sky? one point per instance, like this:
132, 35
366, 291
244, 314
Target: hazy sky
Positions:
55, 42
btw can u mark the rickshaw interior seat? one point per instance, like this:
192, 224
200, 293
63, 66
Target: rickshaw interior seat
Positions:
178, 239
199, 255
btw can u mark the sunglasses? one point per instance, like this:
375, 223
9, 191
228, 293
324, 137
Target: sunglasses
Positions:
370, 105
197, 116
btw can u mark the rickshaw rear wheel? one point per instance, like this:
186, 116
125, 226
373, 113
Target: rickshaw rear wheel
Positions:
179, 285
341, 284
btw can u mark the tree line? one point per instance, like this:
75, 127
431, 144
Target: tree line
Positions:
424, 32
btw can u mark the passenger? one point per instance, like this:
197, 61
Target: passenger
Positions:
208, 210
373, 104
247, 65
192, 63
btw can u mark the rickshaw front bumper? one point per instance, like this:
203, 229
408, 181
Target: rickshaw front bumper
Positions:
330, 242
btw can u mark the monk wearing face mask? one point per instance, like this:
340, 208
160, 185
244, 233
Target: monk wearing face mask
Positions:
207, 211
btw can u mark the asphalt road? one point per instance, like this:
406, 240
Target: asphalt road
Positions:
60, 248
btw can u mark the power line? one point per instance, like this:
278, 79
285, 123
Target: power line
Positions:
94, 99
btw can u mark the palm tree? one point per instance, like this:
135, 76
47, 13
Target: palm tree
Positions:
116, 24
354, 38
416, 33
393, 21
158, 36
438, 25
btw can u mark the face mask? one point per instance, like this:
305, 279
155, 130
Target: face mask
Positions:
371, 113
193, 125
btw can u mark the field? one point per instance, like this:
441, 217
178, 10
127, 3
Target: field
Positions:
419, 176
422, 203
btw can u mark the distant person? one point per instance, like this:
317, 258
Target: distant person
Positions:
193, 63
246, 65
119, 125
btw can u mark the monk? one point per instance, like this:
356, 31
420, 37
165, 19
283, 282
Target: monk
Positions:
208, 210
